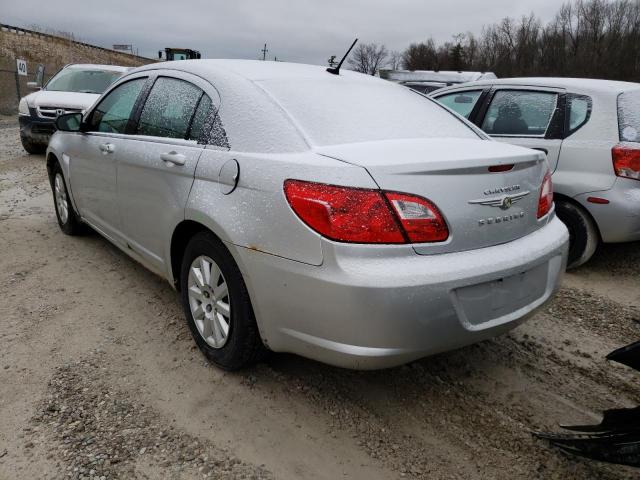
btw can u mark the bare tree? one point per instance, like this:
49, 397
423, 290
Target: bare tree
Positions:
368, 58
421, 56
587, 38
395, 60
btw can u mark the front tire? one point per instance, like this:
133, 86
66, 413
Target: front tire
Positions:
583, 233
67, 219
31, 147
217, 304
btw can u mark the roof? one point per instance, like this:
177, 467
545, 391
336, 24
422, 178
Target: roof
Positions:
114, 68
583, 84
434, 76
253, 70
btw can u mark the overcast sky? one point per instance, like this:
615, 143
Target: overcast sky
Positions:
295, 30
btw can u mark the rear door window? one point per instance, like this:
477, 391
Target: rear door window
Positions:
169, 108
629, 116
461, 102
520, 113
206, 126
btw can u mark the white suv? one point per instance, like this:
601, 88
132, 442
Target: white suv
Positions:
73, 89
590, 131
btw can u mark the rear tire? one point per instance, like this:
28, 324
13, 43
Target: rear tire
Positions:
217, 305
68, 220
31, 147
583, 233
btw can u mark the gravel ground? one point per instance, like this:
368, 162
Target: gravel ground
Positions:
100, 377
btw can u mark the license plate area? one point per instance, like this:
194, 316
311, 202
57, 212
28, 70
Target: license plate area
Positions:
485, 302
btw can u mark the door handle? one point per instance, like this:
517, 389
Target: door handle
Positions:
173, 157
107, 148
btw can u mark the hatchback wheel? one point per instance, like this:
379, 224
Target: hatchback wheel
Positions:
583, 234
67, 219
217, 304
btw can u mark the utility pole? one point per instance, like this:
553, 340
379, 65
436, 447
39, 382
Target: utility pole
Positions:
264, 52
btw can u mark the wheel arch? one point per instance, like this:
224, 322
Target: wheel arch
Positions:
564, 198
52, 159
182, 233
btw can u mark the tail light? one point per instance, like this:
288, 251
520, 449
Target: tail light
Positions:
420, 219
626, 161
358, 215
546, 195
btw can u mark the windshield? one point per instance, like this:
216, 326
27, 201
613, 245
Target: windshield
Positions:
629, 116
340, 110
83, 81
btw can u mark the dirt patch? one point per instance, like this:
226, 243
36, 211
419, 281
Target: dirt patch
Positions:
101, 431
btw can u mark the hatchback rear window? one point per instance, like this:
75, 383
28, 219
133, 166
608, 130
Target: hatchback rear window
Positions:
629, 116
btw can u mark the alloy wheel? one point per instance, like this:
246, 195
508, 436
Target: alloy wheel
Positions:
209, 301
62, 203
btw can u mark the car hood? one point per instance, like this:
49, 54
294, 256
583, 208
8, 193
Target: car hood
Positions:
70, 100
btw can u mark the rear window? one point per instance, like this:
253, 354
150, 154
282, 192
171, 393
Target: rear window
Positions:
339, 110
629, 116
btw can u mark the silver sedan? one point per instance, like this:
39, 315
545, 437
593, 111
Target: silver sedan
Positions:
339, 217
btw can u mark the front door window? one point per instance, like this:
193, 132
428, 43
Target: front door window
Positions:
113, 112
461, 102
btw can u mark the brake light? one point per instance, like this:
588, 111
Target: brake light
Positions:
501, 168
626, 161
546, 195
421, 219
359, 215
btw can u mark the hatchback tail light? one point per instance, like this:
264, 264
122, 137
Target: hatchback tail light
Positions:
626, 161
359, 215
546, 195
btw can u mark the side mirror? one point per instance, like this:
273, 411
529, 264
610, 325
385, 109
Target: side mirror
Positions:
33, 86
69, 122
463, 99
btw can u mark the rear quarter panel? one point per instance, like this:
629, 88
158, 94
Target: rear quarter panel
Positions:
585, 163
256, 215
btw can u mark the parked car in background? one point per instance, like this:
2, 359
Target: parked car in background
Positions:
73, 89
365, 230
589, 130
426, 81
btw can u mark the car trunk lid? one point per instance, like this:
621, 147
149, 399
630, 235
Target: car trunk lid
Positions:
482, 205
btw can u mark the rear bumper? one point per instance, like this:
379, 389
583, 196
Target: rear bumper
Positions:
619, 220
36, 129
378, 307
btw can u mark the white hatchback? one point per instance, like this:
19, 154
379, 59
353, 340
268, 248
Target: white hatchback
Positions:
590, 132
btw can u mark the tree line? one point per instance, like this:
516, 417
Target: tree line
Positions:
586, 38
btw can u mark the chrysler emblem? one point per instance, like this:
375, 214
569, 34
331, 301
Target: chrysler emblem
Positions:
504, 201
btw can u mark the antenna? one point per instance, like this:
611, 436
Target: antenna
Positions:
336, 70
